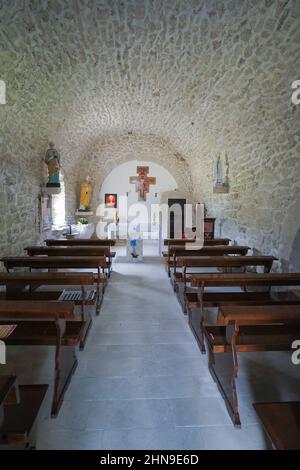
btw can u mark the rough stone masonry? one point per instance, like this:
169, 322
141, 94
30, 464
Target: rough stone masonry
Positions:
171, 81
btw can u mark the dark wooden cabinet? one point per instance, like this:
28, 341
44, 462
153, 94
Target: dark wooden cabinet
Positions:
209, 222
209, 228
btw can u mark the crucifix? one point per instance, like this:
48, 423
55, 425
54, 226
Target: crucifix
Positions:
142, 181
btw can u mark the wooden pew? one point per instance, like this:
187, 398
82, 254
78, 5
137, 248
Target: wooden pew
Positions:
80, 242
9, 394
184, 242
19, 407
26, 286
181, 279
198, 300
176, 251
41, 323
247, 329
63, 262
281, 421
73, 251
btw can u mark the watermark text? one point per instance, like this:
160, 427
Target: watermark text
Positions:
296, 92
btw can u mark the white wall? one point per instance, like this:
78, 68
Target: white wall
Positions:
118, 182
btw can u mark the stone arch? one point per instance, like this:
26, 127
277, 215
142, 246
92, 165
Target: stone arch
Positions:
111, 151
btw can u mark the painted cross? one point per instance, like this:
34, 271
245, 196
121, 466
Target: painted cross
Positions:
142, 181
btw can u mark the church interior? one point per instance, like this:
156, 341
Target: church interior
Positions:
150, 225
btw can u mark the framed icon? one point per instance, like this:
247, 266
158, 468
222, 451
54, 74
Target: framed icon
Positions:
111, 201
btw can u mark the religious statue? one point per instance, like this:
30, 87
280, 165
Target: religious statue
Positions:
52, 160
85, 194
218, 172
221, 182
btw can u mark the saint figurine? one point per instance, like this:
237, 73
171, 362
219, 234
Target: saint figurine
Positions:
85, 194
141, 187
52, 160
218, 176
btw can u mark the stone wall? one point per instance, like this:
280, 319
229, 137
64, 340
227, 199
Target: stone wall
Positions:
176, 81
19, 222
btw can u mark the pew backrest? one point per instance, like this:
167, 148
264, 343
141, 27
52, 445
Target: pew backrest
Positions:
183, 241
219, 250
68, 250
27, 309
224, 261
259, 314
55, 262
52, 278
80, 242
244, 279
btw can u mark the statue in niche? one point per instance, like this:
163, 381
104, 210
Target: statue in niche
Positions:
85, 194
221, 183
218, 171
52, 160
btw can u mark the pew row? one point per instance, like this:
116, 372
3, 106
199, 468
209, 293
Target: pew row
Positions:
183, 241
19, 407
247, 329
182, 279
168, 242
27, 286
63, 262
281, 421
103, 251
176, 251
41, 323
80, 242
199, 300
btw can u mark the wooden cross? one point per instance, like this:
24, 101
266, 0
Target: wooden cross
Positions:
142, 181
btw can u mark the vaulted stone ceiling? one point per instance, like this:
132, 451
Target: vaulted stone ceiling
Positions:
202, 76
187, 71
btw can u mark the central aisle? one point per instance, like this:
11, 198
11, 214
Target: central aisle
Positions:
141, 382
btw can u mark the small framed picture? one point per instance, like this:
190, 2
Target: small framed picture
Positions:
111, 201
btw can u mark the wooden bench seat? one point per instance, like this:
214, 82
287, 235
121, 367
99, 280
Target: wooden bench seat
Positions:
28, 286
55, 262
216, 299
217, 250
79, 241
198, 299
184, 263
176, 251
281, 421
62, 262
43, 333
68, 250
103, 251
168, 242
247, 329
252, 338
46, 324
183, 241
244, 279
19, 407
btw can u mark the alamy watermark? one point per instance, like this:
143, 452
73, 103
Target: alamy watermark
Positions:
2, 92
296, 354
296, 93
2, 353
128, 221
